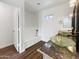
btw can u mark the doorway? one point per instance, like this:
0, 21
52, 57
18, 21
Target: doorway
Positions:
9, 26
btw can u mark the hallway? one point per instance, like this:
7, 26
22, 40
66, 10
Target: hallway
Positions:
30, 53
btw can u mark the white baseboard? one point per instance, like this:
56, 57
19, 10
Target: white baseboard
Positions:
21, 51
6, 45
30, 43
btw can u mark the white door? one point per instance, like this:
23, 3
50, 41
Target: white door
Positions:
16, 29
6, 25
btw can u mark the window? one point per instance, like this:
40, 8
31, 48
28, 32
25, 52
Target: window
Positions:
48, 17
67, 22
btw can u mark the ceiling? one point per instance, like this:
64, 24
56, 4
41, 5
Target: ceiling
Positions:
42, 4
35, 5
13, 2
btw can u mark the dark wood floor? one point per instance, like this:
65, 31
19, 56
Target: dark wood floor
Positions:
30, 53
77, 56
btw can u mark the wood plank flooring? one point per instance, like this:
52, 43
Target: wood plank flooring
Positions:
30, 53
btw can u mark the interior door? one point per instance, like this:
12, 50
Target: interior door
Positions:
16, 29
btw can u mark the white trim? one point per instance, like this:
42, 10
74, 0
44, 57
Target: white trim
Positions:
6, 45
45, 56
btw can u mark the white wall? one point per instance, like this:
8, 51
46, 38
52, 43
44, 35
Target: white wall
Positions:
31, 19
49, 28
6, 25
30, 26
